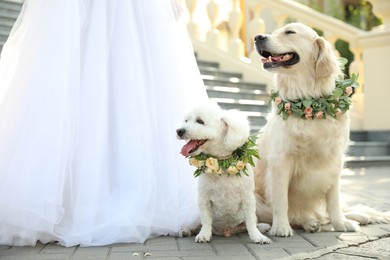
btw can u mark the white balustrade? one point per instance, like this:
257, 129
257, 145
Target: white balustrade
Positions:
192, 27
236, 45
255, 27
213, 35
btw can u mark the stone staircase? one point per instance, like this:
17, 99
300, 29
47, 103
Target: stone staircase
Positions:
369, 148
9, 11
232, 92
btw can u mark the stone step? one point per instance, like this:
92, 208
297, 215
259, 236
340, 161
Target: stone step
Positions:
366, 161
5, 32
221, 82
257, 122
8, 15
369, 148
210, 69
236, 93
243, 105
7, 20
2, 42
207, 64
375, 136
6, 25
11, 5
215, 73
3, 38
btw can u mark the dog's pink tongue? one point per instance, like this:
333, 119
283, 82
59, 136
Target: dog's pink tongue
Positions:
188, 147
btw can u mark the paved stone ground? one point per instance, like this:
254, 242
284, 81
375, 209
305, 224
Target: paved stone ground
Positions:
368, 186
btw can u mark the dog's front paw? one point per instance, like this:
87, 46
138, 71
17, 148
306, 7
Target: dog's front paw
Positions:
312, 226
281, 230
186, 232
203, 237
263, 227
256, 236
260, 239
345, 226
190, 230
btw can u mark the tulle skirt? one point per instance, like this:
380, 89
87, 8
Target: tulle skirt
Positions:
90, 93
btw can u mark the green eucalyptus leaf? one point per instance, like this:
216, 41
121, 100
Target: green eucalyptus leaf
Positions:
355, 85
306, 103
338, 92
284, 115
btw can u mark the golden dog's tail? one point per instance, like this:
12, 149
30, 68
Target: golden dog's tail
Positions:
365, 215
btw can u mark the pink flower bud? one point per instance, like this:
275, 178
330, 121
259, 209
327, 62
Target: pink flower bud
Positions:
348, 91
308, 110
287, 106
320, 115
278, 100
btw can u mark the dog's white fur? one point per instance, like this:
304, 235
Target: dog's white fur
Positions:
297, 178
227, 203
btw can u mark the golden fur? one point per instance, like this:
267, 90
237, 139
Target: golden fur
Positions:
297, 178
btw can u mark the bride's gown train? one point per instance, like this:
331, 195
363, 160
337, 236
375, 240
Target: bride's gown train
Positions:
90, 93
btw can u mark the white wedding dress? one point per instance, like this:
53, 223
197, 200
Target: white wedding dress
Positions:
90, 93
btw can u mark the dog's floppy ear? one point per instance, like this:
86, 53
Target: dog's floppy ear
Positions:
237, 129
326, 62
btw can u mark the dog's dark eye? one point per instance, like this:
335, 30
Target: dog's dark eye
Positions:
290, 32
200, 121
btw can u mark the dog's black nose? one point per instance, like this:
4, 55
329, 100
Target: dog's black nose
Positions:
180, 132
260, 37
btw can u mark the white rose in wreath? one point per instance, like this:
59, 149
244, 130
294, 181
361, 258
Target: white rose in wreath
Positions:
196, 163
240, 165
232, 170
212, 164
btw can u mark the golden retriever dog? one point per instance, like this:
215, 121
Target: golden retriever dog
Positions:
301, 150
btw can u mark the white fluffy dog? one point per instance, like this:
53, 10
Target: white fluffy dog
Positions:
302, 150
227, 202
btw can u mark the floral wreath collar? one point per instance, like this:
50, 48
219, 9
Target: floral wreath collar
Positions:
333, 105
233, 165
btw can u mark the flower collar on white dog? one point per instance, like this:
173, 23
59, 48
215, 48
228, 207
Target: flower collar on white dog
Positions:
233, 165
310, 108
